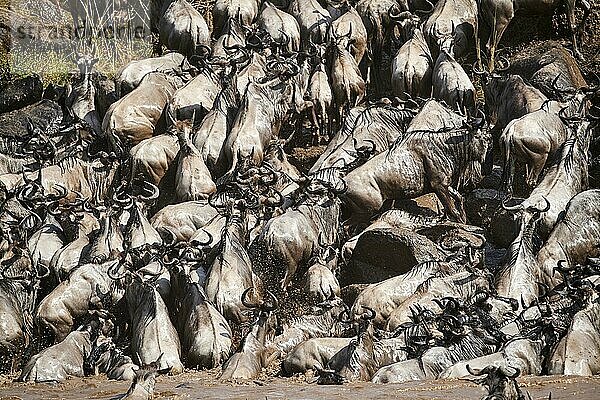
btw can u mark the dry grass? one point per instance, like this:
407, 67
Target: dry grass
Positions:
54, 60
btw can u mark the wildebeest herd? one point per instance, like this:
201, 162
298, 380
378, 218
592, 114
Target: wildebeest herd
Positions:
154, 222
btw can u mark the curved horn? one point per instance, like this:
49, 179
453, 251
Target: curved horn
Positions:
341, 190
250, 175
209, 239
562, 267
53, 208
425, 11
286, 39
113, 269
61, 191
371, 313
505, 372
543, 209
516, 207
477, 71
121, 198
484, 371
245, 301
46, 272
344, 316
400, 16
151, 192
438, 302
373, 148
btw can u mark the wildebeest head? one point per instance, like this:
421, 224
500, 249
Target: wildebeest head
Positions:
333, 304
407, 22
85, 62
324, 183
142, 386
493, 84
500, 382
362, 322
265, 324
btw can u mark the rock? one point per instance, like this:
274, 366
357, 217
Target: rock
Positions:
386, 252
484, 209
21, 92
449, 234
42, 114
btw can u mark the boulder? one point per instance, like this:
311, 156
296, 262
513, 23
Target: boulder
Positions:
386, 252
43, 114
21, 92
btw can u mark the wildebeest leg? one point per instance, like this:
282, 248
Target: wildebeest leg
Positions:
458, 203
340, 116
315, 122
535, 168
449, 202
326, 122
508, 172
501, 20
156, 46
573, 27
587, 8
478, 45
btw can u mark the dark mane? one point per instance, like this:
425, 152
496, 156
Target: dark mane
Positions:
69, 163
528, 241
451, 146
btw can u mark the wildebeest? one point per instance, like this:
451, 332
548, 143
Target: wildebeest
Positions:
142, 387
127, 125
153, 335
566, 176
244, 11
131, 74
206, 335
452, 22
311, 217
183, 29
281, 26
412, 65
253, 355
193, 180
65, 359
87, 287
231, 272
414, 166
451, 83
534, 138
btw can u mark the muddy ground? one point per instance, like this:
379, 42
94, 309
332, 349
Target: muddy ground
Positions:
194, 385
522, 33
